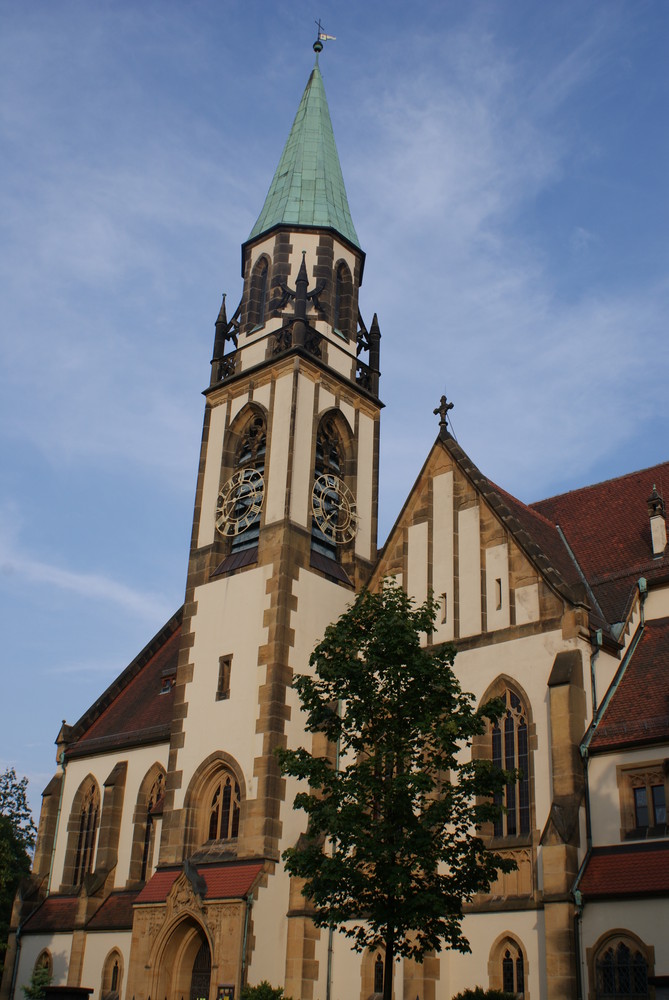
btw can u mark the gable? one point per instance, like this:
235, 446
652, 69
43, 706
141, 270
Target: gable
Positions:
474, 547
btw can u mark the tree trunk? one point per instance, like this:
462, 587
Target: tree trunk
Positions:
389, 964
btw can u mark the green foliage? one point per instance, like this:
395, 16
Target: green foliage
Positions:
478, 993
392, 852
17, 838
263, 992
40, 979
14, 804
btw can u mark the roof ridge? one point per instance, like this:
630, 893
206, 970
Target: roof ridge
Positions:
603, 482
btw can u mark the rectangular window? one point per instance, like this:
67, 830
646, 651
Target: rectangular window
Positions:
643, 800
498, 593
444, 608
224, 670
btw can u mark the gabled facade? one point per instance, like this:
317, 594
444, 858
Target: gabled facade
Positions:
158, 867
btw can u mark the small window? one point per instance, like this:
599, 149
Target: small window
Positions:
224, 668
443, 608
513, 972
168, 681
498, 594
643, 800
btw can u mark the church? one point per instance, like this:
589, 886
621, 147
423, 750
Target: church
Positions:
157, 873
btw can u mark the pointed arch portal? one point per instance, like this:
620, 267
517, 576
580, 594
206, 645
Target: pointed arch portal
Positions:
184, 964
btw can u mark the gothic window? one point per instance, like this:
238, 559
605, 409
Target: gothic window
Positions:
343, 299
258, 294
147, 812
250, 455
510, 750
621, 970
333, 507
155, 796
82, 828
44, 961
507, 966
112, 976
223, 802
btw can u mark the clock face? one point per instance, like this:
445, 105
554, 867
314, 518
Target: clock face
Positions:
334, 509
239, 502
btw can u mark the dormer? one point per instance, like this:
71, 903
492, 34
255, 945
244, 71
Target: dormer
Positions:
658, 524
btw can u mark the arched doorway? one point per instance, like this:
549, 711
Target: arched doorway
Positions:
184, 964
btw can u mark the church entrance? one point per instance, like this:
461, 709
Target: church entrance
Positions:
201, 975
183, 964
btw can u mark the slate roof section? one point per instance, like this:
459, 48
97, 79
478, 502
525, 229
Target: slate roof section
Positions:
132, 711
626, 871
57, 913
229, 881
308, 187
115, 914
638, 712
608, 529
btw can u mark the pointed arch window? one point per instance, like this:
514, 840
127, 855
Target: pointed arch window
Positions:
250, 455
328, 469
89, 813
223, 808
621, 970
343, 299
510, 750
155, 796
112, 976
258, 294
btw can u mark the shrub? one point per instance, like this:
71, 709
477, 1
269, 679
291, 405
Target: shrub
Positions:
478, 993
263, 991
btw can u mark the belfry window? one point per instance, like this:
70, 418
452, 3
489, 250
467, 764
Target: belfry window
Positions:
248, 492
510, 750
343, 296
224, 803
327, 474
258, 294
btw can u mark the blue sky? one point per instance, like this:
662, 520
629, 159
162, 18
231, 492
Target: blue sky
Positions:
506, 165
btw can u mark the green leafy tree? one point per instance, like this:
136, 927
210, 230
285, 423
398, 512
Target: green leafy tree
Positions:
392, 852
263, 991
39, 980
17, 839
14, 804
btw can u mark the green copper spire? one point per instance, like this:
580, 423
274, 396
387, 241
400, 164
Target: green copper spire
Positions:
308, 187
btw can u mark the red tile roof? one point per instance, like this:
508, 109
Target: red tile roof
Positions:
228, 881
627, 870
133, 710
57, 913
608, 528
639, 709
115, 913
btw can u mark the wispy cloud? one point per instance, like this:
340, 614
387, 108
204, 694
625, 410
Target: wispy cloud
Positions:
20, 565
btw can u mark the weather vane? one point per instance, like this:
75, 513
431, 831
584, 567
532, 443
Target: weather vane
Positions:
321, 37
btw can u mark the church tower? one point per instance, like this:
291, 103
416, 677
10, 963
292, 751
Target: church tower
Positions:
284, 533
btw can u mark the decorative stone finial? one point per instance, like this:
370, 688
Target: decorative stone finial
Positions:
442, 410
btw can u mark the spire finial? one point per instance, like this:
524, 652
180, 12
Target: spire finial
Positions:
320, 38
442, 410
